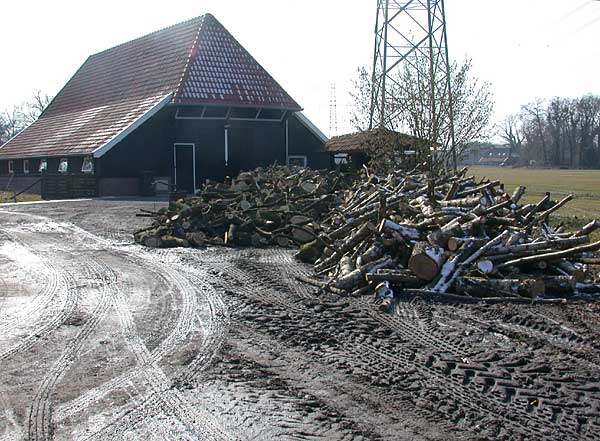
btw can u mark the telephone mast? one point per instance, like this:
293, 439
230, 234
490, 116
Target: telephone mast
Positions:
409, 31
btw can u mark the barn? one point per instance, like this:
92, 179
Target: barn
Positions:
180, 105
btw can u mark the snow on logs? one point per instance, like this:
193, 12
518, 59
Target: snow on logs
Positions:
447, 238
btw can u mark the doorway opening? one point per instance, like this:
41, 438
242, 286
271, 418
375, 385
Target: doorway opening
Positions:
184, 160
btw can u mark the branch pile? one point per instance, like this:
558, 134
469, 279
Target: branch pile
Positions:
276, 206
450, 237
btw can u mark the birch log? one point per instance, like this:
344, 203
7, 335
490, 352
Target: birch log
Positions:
425, 261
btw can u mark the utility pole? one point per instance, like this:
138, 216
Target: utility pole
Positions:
408, 31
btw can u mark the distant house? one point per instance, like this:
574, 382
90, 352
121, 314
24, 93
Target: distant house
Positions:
184, 104
353, 148
487, 154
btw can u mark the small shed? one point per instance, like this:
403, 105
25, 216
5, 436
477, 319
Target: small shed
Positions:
355, 148
183, 104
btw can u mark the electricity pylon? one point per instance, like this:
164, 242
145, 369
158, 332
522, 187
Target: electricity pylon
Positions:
404, 32
333, 120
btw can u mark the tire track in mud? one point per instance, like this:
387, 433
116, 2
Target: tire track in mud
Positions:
40, 417
162, 397
38, 313
41, 299
475, 391
540, 326
175, 336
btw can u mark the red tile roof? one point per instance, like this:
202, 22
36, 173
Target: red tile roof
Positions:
223, 72
196, 61
358, 142
77, 133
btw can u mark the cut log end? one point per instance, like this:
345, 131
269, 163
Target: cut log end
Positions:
426, 261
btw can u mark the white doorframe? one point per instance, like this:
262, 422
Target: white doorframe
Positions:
184, 144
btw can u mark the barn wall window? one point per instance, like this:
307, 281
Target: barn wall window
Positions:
26, 166
43, 168
243, 113
340, 158
299, 161
11, 167
88, 165
63, 166
271, 114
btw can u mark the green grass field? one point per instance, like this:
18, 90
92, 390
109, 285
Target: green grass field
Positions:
6, 196
584, 184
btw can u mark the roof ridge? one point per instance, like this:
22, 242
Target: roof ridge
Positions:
186, 68
223, 70
265, 71
200, 17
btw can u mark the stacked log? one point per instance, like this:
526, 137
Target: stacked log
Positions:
453, 238
444, 237
275, 206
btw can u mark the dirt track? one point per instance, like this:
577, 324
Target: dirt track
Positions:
102, 339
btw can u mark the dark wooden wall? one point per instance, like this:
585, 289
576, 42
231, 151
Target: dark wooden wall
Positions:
251, 144
75, 163
305, 143
149, 148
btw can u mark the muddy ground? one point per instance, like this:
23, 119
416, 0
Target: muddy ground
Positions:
102, 339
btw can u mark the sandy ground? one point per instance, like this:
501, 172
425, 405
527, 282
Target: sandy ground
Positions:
102, 339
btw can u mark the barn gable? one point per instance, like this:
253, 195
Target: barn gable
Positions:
180, 105
115, 91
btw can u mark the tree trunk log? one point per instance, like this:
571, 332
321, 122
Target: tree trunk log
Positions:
426, 261
553, 256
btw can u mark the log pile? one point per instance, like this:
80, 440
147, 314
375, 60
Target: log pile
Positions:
275, 206
449, 237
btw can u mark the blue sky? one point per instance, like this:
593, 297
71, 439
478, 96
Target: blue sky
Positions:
524, 48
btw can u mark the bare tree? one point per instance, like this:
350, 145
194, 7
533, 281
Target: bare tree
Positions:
13, 120
409, 106
11, 123
32, 109
536, 115
563, 132
361, 100
511, 132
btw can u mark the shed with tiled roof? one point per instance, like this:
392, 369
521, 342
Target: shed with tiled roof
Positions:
354, 147
185, 103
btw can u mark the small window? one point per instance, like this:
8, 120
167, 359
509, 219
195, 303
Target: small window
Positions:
340, 158
43, 168
63, 166
26, 166
190, 112
271, 114
299, 161
11, 169
88, 165
243, 113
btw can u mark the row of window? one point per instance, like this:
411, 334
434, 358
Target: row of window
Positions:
63, 166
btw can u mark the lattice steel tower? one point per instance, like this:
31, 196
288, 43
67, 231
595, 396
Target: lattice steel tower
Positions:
333, 121
404, 32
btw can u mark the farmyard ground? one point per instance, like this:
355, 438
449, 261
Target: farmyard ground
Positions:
102, 339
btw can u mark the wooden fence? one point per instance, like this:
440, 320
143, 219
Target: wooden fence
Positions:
69, 186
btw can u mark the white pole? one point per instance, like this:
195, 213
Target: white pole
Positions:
226, 147
194, 164
175, 164
287, 141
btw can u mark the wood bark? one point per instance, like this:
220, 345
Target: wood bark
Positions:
426, 260
554, 255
